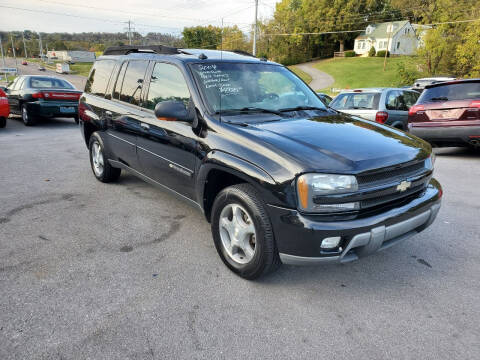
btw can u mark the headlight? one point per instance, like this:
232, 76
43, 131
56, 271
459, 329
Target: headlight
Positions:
310, 186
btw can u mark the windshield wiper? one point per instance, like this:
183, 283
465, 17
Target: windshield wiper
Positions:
297, 108
249, 109
441, 98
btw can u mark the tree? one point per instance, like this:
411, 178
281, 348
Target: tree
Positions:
208, 37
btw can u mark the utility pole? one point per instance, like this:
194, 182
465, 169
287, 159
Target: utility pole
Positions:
129, 29
40, 46
13, 48
24, 46
255, 30
3, 58
388, 42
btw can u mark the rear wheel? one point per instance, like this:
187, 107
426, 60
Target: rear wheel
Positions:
242, 232
3, 122
101, 168
75, 119
27, 118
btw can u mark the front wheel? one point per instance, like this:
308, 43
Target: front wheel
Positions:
3, 122
102, 169
242, 232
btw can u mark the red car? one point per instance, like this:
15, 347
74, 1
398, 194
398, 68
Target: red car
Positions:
4, 109
448, 114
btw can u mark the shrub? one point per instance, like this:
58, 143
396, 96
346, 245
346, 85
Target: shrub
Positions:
381, 53
349, 53
372, 51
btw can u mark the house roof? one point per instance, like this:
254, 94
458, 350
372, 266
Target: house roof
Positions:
380, 30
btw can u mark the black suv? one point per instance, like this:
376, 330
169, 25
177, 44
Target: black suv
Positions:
280, 177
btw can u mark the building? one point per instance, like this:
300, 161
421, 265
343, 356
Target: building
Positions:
398, 37
72, 55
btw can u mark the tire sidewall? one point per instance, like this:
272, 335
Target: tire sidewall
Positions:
257, 263
28, 120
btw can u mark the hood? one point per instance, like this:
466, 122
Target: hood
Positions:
339, 143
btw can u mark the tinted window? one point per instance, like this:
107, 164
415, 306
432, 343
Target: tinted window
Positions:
410, 97
458, 91
133, 82
118, 84
167, 83
100, 74
395, 100
360, 100
47, 82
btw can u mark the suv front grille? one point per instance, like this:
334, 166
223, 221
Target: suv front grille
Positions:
390, 175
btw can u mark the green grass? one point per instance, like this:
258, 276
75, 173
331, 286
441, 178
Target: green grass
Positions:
301, 74
82, 69
360, 72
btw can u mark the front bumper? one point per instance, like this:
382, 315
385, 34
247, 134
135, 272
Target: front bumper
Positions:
52, 108
299, 237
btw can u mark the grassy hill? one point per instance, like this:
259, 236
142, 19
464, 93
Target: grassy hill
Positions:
361, 72
301, 74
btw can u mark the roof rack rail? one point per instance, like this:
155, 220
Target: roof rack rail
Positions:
128, 49
241, 52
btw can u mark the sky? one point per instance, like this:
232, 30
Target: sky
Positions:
166, 16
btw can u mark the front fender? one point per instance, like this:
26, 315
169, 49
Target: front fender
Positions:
240, 168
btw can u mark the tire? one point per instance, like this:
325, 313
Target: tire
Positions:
75, 119
244, 200
3, 122
101, 168
27, 118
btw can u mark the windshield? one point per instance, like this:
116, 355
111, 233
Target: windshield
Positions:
255, 87
47, 82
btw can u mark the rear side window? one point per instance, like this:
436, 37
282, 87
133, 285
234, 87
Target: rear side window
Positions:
133, 82
400, 100
118, 84
458, 91
99, 75
355, 101
167, 83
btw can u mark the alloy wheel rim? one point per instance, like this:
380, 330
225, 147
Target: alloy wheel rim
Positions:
97, 158
237, 233
25, 114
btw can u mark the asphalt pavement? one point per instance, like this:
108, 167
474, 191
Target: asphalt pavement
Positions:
125, 271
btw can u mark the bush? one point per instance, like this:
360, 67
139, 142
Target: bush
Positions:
349, 53
381, 53
372, 52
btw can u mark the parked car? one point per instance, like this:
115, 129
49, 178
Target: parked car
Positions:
41, 68
387, 106
280, 176
35, 96
4, 109
448, 114
24, 62
327, 99
419, 84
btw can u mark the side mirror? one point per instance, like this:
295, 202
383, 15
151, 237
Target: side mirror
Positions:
172, 110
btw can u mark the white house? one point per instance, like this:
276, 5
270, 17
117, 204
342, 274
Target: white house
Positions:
398, 37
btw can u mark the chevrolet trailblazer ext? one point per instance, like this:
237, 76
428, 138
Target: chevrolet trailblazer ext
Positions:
281, 177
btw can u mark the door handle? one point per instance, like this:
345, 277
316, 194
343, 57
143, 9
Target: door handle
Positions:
145, 126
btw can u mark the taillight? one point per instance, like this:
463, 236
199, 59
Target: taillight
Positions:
38, 95
381, 117
415, 108
475, 104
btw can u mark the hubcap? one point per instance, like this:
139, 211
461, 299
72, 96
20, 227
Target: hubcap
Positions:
237, 233
25, 114
97, 158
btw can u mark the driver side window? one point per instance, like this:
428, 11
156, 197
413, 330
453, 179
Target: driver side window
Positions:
167, 83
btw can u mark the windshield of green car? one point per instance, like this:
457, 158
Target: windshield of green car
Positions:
232, 87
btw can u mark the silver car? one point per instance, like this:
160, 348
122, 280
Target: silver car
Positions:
384, 105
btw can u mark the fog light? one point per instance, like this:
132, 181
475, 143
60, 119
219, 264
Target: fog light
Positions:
330, 242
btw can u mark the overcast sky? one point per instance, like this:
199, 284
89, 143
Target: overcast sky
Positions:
110, 15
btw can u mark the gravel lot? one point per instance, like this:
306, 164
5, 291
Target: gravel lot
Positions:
125, 271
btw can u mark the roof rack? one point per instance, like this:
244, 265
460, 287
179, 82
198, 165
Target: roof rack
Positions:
241, 52
128, 49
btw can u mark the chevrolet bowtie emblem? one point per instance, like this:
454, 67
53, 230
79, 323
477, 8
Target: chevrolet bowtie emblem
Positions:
404, 185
